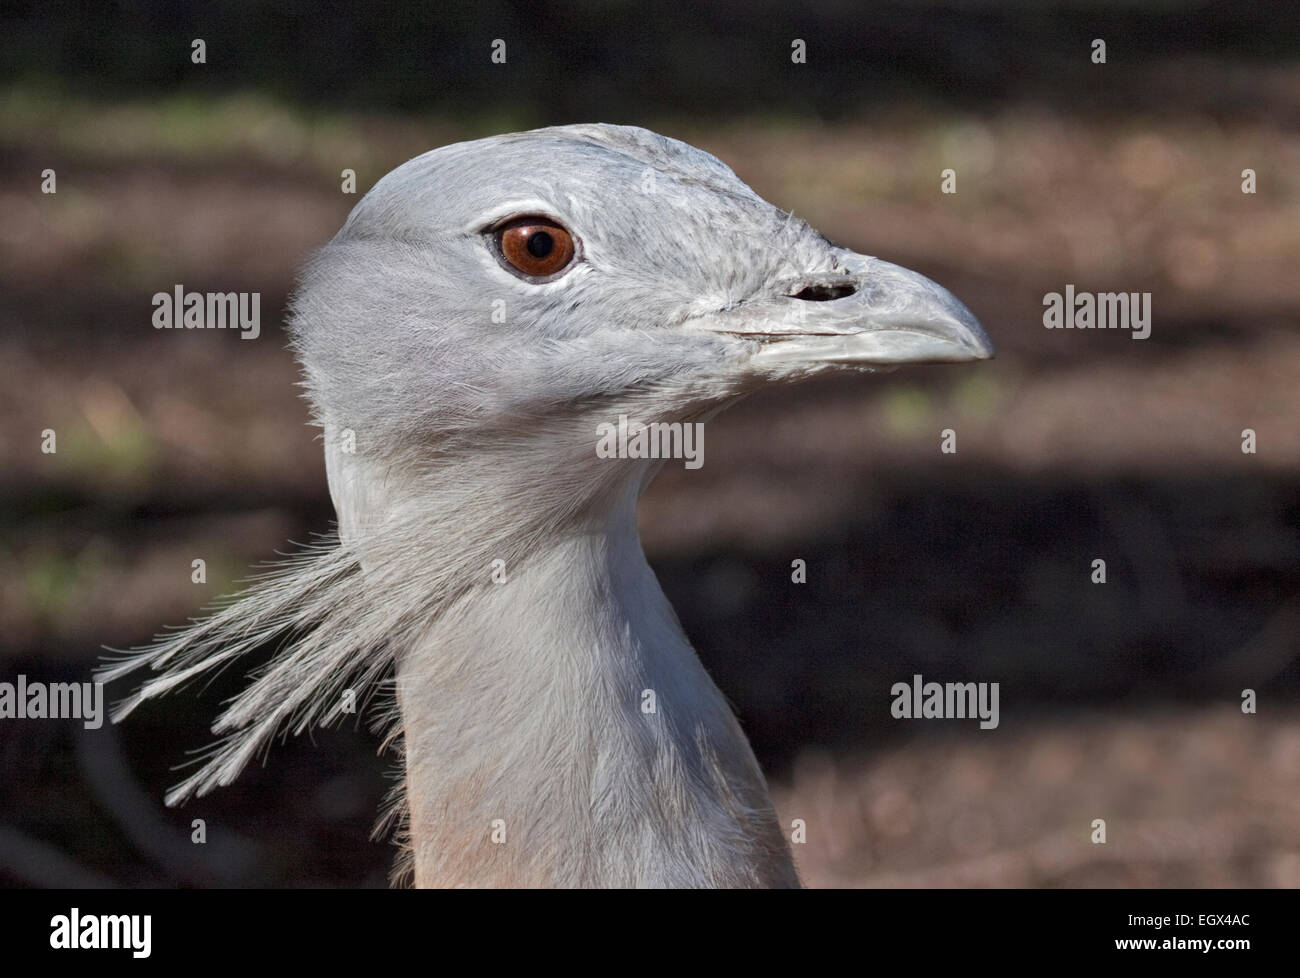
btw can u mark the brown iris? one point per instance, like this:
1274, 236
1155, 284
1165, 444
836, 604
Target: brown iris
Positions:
535, 246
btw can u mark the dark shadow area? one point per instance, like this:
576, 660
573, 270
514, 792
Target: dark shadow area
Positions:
992, 579
619, 59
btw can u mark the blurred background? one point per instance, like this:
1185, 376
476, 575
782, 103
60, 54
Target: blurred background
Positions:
1118, 701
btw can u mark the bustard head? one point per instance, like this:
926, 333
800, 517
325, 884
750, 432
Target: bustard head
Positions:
507, 291
486, 307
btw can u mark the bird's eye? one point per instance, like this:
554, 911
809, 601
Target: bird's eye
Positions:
535, 247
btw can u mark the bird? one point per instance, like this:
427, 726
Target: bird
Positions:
485, 308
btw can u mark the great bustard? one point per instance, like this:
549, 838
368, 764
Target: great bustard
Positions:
484, 310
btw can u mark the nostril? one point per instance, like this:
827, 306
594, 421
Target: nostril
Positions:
823, 293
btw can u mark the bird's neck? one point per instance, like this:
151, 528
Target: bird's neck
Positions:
560, 731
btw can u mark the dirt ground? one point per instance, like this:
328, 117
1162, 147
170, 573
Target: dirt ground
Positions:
1119, 701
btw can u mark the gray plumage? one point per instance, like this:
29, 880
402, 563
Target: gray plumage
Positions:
460, 404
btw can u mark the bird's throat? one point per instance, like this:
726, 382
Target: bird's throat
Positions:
560, 731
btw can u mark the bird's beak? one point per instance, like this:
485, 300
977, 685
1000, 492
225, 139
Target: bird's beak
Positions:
876, 315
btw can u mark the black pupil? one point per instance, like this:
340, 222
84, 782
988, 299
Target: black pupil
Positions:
540, 244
